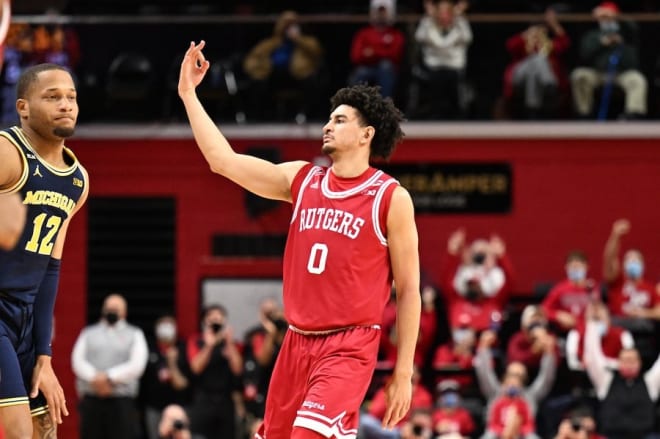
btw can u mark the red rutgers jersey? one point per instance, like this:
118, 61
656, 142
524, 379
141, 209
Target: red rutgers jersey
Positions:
337, 270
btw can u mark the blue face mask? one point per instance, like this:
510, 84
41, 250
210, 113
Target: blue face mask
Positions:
633, 269
512, 391
461, 335
609, 26
449, 400
576, 274
601, 328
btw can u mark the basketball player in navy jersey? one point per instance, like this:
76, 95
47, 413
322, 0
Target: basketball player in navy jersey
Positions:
352, 233
36, 165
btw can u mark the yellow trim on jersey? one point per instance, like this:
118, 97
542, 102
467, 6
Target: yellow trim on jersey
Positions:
24, 176
6, 402
51, 168
39, 410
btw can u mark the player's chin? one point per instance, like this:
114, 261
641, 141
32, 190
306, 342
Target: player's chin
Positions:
64, 131
328, 149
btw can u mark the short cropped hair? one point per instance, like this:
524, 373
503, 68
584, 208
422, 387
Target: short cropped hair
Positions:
29, 77
374, 110
576, 255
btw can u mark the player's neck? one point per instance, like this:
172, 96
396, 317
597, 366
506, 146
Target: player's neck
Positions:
48, 149
349, 168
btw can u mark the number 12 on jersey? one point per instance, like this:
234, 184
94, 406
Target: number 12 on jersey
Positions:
43, 246
318, 255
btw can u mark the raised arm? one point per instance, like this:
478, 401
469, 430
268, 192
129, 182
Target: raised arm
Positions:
611, 252
259, 176
404, 256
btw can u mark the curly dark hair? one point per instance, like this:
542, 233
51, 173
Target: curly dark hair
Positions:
375, 110
29, 77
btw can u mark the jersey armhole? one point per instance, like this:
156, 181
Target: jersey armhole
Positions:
24, 175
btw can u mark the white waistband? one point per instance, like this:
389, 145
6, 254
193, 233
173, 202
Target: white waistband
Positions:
331, 331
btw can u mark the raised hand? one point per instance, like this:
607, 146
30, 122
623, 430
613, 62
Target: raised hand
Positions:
620, 227
193, 68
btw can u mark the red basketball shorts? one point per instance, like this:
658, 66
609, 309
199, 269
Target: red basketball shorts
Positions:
319, 383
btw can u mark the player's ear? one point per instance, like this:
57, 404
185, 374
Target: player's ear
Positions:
22, 108
367, 134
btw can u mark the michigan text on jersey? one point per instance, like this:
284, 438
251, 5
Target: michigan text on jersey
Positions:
50, 198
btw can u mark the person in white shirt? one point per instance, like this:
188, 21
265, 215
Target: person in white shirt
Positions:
443, 36
627, 397
108, 360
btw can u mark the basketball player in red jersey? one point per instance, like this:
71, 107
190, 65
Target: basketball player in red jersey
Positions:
352, 233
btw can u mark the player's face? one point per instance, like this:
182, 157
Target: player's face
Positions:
51, 108
343, 131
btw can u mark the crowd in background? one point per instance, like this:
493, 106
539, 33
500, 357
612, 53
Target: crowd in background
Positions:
577, 360
549, 71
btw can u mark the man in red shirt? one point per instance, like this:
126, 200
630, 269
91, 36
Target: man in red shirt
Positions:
371, 420
566, 302
377, 49
527, 346
450, 418
352, 233
632, 300
476, 280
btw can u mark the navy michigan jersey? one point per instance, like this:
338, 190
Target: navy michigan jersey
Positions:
51, 195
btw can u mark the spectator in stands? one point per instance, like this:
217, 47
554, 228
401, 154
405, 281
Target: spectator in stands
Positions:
420, 425
454, 358
579, 425
443, 36
633, 301
175, 424
609, 56
164, 381
289, 61
377, 49
108, 360
527, 345
565, 303
18, 54
450, 419
371, 421
216, 365
428, 325
515, 377
536, 75
477, 279
627, 397
261, 347
613, 340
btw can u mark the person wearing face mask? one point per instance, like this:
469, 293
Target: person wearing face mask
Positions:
632, 300
455, 356
164, 380
627, 396
377, 49
476, 280
613, 339
216, 365
450, 419
609, 55
566, 301
528, 344
108, 360
513, 390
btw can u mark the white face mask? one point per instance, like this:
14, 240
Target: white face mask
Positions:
166, 331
